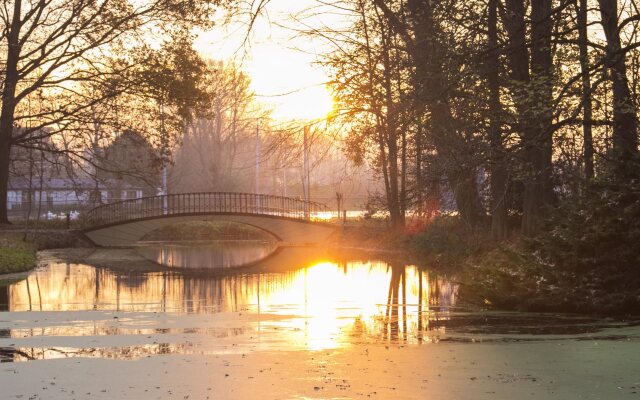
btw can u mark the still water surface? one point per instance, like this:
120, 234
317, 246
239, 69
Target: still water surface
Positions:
217, 255
322, 304
330, 299
314, 303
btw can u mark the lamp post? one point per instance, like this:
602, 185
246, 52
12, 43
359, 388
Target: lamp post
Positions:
257, 183
163, 155
307, 192
257, 179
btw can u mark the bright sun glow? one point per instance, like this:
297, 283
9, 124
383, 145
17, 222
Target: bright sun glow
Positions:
322, 306
280, 63
308, 104
323, 216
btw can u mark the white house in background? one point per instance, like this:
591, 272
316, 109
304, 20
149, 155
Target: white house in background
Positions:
64, 194
49, 183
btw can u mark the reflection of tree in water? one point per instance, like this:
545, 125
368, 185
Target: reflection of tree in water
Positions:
105, 329
80, 287
116, 353
4, 298
129, 280
417, 304
396, 283
9, 354
394, 302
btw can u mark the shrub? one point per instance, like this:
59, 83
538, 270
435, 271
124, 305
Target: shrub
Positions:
447, 240
586, 258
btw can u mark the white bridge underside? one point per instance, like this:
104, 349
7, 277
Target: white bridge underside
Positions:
285, 231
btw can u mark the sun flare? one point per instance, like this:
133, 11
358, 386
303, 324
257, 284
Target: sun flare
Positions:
308, 104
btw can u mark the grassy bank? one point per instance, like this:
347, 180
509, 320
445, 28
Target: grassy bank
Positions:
44, 239
18, 246
16, 255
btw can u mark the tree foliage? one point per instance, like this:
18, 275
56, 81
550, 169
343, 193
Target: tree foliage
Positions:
63, 59
490, 101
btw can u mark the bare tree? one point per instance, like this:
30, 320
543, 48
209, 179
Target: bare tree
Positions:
52, 47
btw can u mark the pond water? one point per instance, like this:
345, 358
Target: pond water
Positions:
216, 255
331, 301
316, 327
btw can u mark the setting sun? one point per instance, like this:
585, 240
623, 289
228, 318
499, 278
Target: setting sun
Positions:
307, 104
281, 65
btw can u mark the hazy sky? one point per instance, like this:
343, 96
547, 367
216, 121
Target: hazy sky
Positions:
279, 61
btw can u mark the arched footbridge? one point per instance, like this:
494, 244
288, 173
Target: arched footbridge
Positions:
290, 221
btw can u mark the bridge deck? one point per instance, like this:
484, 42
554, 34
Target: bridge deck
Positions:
203, 203
287, 219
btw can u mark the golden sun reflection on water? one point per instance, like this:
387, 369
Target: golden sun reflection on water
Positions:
325, 305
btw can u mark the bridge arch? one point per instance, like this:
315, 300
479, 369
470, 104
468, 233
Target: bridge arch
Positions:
289, 221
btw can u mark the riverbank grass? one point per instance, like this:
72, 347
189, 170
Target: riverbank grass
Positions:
16, 255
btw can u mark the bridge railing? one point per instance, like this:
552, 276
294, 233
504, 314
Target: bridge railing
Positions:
202, 203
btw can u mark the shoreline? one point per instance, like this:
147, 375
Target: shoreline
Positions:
69, 245
129, 260
487, 278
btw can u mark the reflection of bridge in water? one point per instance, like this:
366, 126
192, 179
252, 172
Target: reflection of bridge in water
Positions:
223, 258
288, 220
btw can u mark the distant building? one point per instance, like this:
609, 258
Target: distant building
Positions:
65, 194
57, 194
130, 167
50, 183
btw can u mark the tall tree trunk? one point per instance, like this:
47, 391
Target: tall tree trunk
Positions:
498, 167
397, 220
587, 114
518, 60
532, 92
5, 152
431, 87
419, 184
403, 174
625, 125
7, 111
394, 206
537, 141
384, 165
386, 126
